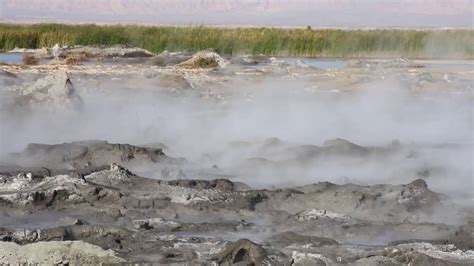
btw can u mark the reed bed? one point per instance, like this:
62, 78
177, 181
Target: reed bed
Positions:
233, 41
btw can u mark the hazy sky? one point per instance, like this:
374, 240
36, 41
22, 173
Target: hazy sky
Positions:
326, 13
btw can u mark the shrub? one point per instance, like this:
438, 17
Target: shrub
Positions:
206, 62
234, 41
72, 61
29, 59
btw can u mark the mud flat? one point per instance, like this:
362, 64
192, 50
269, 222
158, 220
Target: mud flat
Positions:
201, 159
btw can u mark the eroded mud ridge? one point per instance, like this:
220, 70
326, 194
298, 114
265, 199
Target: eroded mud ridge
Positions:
180, 159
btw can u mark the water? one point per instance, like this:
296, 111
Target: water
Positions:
332, 63
41, 220
329, 63
11, 58
16, 59
450, 65
319, 63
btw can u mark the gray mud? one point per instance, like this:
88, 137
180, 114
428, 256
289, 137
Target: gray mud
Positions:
251, 161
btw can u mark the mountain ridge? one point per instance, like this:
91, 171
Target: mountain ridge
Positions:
272, 12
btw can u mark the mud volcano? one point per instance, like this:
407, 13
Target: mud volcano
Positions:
208, 160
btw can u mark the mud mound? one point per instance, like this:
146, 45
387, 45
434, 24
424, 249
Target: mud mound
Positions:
343, 146
242, 252
167, 58
385, 202
55, 91
171, 80
335, 147
23, 191
82, 155
205, 59
221, 184
147, 220
66, 252
104, 51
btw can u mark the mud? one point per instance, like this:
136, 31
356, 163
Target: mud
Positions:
253, 161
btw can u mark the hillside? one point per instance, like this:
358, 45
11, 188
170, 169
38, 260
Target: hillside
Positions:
247, 12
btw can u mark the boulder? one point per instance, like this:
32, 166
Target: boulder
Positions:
242, 252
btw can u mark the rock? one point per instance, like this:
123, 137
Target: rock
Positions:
65, 221
351, 202
300, 64
65, 252
301, 258
173, 81
55, 91
416, 195
242, 252
205, 59
290, 238
23, 50
277, 63
377, 261
403, 63
166, 58
315, 214
250, 60
38, 173
46, 192
113, 212
88, 154
155, 223
424, 77
421, 254
104, 51
220, 184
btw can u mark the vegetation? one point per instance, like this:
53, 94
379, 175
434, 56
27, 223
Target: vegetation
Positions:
206, 62
29, 59
269, 41
71, 61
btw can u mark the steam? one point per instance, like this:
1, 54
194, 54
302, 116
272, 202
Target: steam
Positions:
435, 130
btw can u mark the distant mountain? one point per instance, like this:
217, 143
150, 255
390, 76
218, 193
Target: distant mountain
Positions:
248, 12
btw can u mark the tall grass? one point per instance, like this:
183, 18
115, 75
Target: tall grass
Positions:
268, 41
